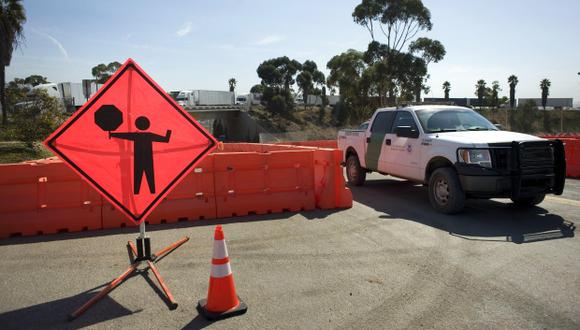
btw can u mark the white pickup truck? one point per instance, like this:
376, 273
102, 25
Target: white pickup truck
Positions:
457, 153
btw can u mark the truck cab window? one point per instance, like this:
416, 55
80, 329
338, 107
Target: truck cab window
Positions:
383, 122
404, 118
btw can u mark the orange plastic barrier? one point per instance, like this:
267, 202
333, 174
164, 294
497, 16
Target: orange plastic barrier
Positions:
45, 197
331, 191
572, 149
261, 183
330, 144
192, 199
252, 147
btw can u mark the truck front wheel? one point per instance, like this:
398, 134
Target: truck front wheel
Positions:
355, 174
529, 201
445, 192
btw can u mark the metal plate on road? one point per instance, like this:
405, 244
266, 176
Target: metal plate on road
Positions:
131, 142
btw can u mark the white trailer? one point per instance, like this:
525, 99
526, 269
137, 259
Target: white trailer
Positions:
75, 95
204, 97
72, 94
192, 98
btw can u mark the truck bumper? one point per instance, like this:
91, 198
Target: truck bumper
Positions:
503, 186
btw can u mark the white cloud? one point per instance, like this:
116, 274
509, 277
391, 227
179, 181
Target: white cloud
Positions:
57, 43
185, 29
268, 40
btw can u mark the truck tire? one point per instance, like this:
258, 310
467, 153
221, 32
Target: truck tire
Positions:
355, 174
529, 201
445, 192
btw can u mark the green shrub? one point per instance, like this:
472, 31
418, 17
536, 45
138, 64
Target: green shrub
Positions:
277, 104
525, 116
37, 118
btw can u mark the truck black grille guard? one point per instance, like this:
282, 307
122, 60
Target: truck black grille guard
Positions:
537, 167
534, 166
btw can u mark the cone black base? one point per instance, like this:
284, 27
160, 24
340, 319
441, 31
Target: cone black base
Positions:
214, 316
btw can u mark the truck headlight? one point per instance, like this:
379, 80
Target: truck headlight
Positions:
480, 157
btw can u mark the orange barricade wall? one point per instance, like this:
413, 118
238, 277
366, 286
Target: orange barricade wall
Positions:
45, 196
572, 149
331, 191
261, 183
330, 144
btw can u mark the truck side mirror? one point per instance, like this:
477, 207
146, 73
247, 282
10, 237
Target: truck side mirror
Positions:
406, 131
499, 126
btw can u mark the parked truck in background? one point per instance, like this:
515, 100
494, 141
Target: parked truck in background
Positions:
243, 99
72, 95
457, 153
192, 98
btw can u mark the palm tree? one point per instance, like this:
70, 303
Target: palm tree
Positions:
446, 89
232, 82
513, 81
480, 89
495, 89
545, 87
12, 18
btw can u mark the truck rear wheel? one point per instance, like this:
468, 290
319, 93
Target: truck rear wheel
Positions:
445, 192
355, 174
529, 201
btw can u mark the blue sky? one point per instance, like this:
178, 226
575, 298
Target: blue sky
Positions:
201, 44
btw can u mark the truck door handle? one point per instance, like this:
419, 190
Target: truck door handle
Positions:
388, 142
368, 140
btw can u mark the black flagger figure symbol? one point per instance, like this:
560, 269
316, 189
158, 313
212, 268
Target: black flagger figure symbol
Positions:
143, 152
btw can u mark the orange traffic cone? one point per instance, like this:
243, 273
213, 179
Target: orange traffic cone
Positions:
222, 301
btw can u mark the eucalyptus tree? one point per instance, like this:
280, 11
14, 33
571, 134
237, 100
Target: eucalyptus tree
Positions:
103, 72
350, 73
399, 22
279, 72
309, 80
346, 71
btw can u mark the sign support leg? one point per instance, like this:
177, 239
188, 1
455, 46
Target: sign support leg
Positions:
142, 252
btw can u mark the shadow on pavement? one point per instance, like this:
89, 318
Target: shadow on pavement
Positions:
54, 314
487, 220
199, 322
314, 214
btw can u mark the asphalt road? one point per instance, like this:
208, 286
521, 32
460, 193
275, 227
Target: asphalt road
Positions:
389, 262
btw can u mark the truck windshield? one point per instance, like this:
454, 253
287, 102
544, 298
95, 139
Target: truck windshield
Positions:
453, 120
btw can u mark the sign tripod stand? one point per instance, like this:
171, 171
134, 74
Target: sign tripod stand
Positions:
140, 253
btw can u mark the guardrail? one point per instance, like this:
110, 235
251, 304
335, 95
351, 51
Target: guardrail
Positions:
45, 196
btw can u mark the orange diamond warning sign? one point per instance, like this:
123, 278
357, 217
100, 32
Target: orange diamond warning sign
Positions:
131, 142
